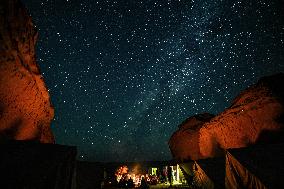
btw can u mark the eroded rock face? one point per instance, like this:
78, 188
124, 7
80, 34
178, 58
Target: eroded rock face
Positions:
255, 116
25, 108
184, 142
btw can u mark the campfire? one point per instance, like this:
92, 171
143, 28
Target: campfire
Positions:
134, 177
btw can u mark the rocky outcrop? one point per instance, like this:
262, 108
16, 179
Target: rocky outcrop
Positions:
25, 108
255, 116
184, 142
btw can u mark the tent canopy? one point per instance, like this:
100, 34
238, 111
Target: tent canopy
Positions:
214, 168
265, 162
27, 164
206, 173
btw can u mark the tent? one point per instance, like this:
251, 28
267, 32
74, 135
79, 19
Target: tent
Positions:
32, 165
187, 170
205, 173
258, 166
214, 169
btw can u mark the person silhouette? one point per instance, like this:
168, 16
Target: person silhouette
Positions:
170, 175
130, 183
143, 185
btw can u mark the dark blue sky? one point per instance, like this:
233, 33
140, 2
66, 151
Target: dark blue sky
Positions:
123, 75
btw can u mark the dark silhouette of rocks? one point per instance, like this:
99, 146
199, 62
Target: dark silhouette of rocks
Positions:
255, 116
25, 108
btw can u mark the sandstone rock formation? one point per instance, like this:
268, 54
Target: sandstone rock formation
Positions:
25, 108
184, 142
255, 116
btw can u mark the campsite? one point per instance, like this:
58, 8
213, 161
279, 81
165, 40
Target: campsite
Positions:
135, 94
56, 167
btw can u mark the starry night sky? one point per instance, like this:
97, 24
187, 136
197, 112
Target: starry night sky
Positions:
123, 75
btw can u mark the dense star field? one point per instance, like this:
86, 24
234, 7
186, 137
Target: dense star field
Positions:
123, 75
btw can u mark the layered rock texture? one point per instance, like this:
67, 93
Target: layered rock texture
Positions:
255, 116
25, 108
